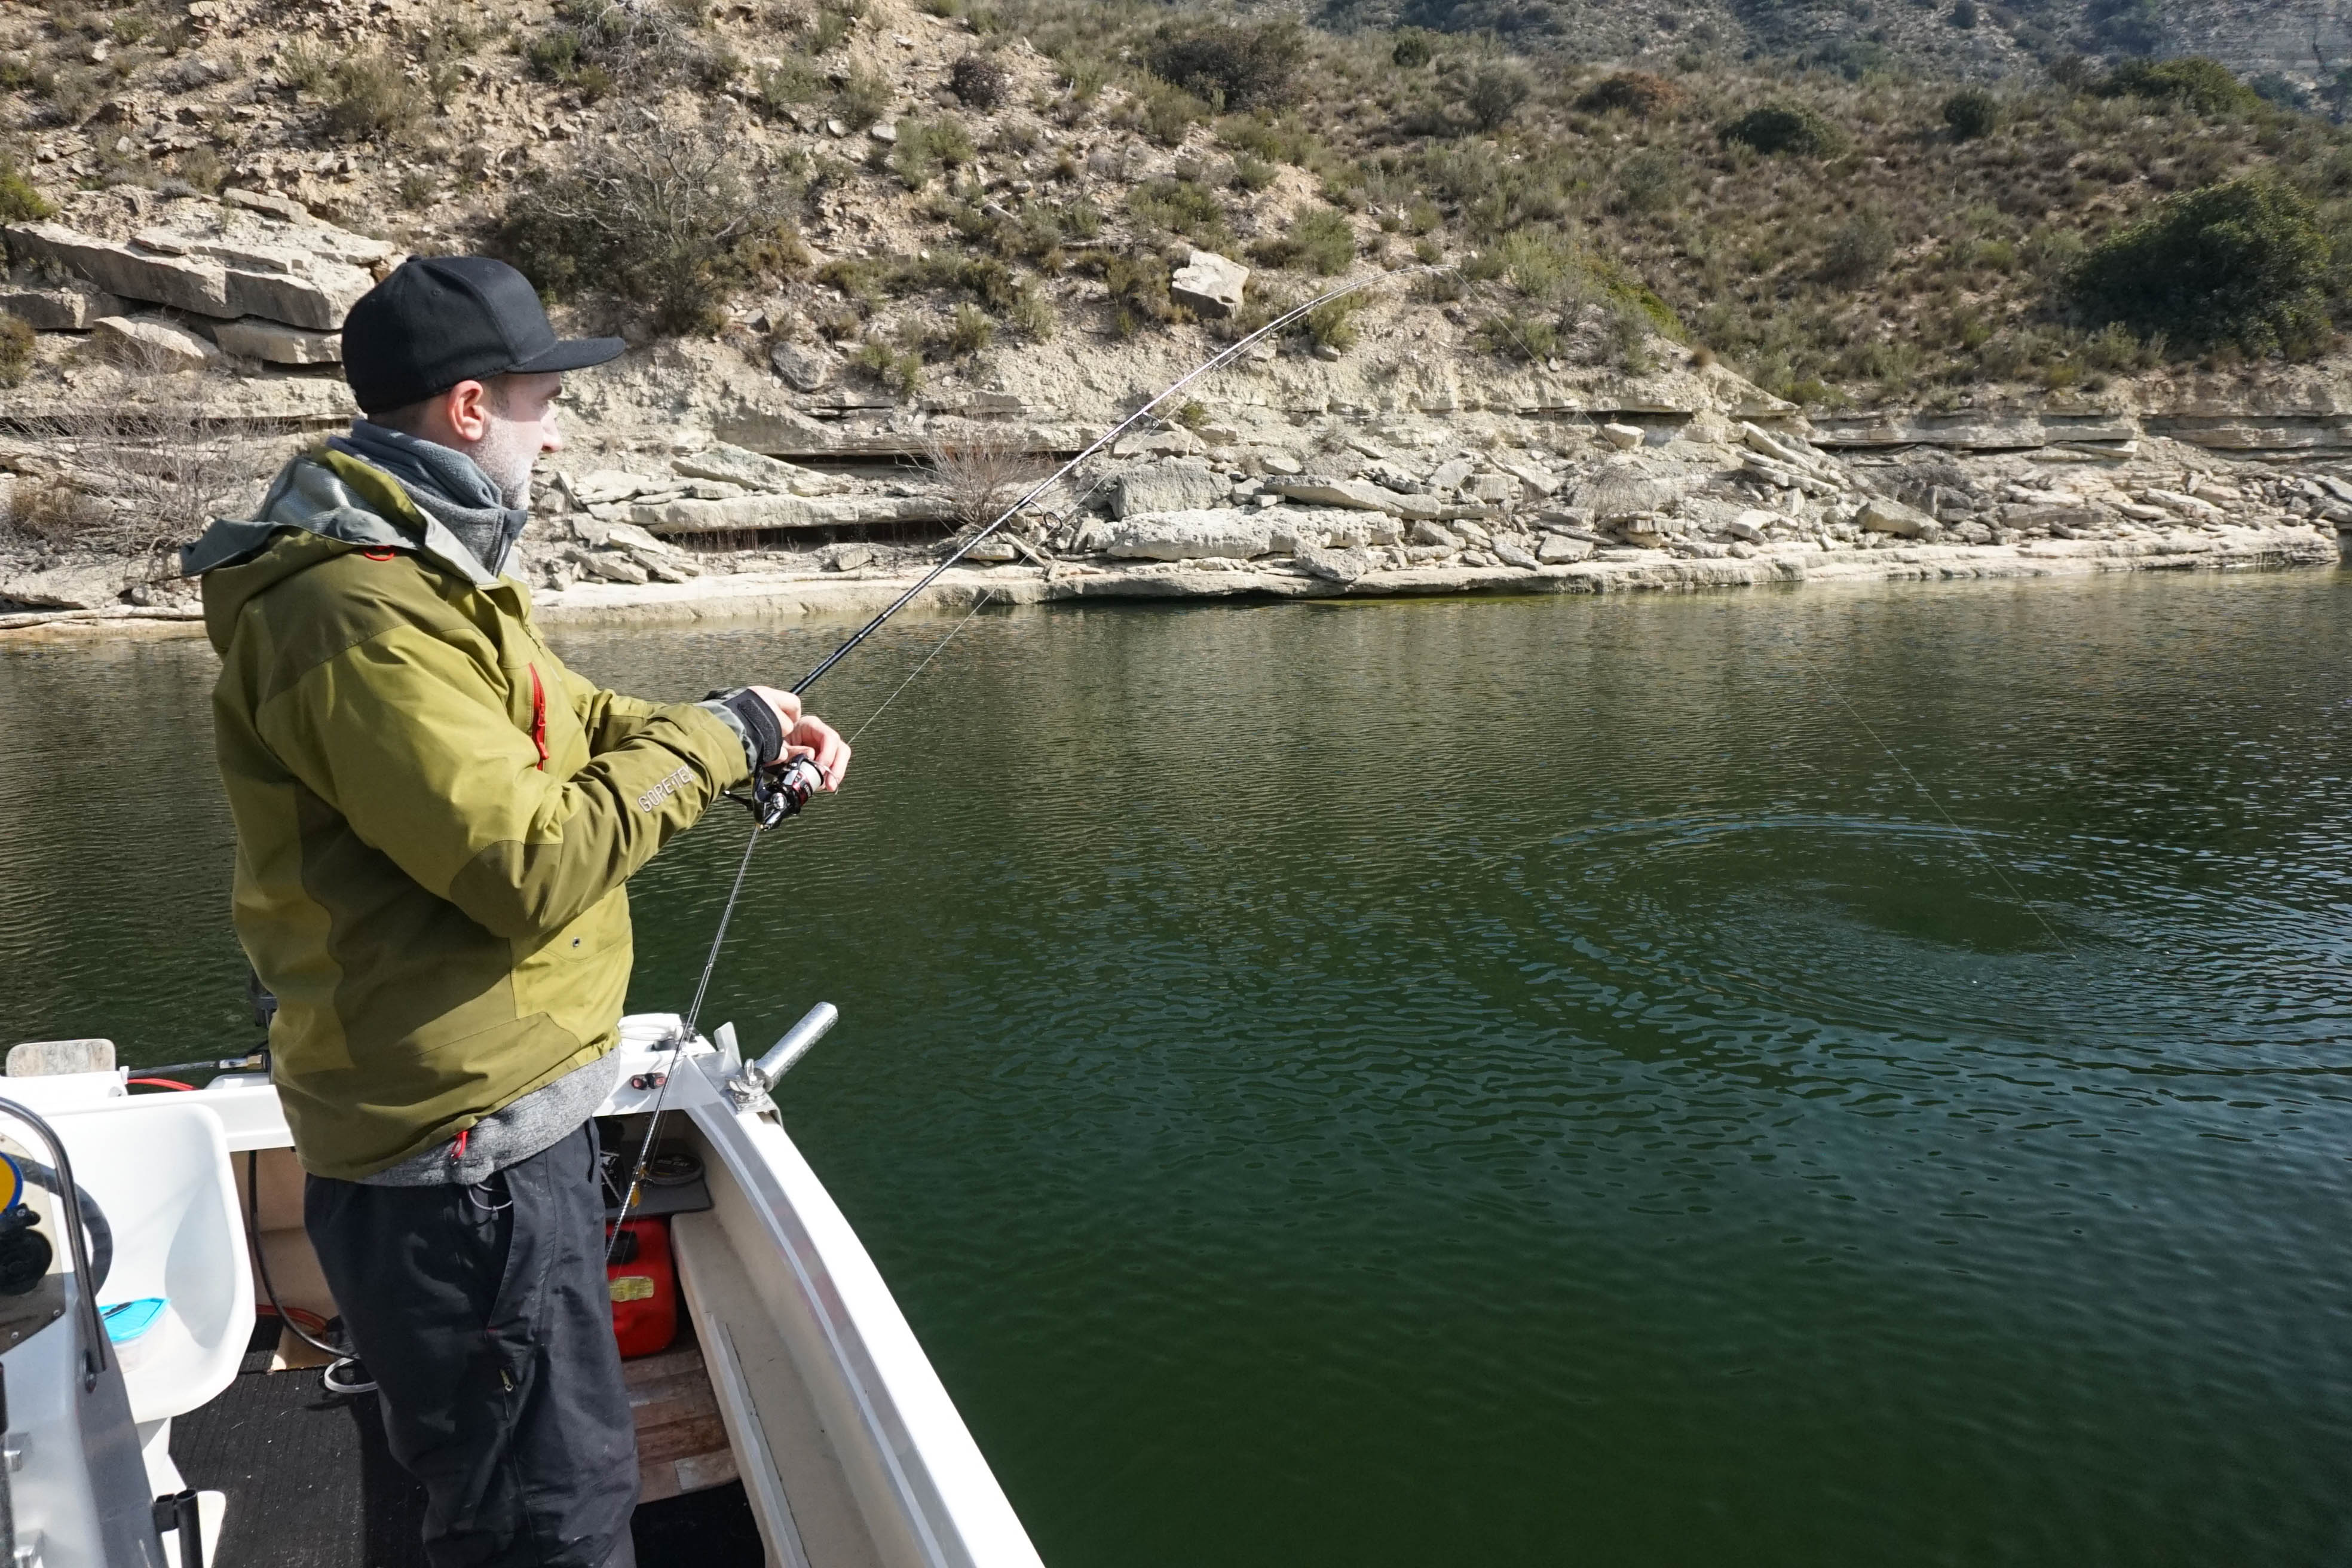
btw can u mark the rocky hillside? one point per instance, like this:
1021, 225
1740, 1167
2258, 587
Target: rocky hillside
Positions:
2304, 41
900, 249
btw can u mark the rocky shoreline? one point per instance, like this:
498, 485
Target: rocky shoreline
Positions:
768, 478
755, 594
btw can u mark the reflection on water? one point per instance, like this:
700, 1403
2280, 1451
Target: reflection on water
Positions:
1507, 1082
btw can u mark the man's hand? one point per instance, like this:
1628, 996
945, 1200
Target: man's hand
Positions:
807, 736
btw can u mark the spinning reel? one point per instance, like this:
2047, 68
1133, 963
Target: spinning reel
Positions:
779, 792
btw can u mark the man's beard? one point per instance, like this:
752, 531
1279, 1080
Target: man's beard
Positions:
506, 454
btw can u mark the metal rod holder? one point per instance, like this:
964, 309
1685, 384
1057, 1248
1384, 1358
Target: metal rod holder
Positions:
751, 1085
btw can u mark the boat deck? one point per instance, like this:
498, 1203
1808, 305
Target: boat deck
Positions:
310, 1483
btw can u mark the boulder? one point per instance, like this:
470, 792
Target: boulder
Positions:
2174, 501
994, 550
1339, 565
72, 586
848, 557
1749, 525
1359, 493
1625, 438
804, 370
1494, 489
67, 310
1538, 481
150, 343
1453, 474
270, 203
273, 343
1472, 532
1166, 487
1511, 554
1558, 548
1427, 533
189, 283
609, 485
1190, 535
753, 470
1879, 515
305, 287
1209, 284
611, 566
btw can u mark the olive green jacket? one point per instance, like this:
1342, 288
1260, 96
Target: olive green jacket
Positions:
435, 818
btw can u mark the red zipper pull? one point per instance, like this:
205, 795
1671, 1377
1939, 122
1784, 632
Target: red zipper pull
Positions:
538, 717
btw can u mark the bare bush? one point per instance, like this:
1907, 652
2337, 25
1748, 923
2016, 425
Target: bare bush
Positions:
673, 219
982, 472
137, 478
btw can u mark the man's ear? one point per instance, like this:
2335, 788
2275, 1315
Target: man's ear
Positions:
467, 406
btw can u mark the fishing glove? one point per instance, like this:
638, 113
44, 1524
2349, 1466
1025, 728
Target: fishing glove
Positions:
755, 721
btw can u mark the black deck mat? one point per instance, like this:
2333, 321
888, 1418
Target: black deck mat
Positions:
311, 1484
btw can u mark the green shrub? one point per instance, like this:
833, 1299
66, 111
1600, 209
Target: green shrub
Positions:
1494, 94
1971, 112
970, 332
1414, 47
1648, 181
863, 98
1169, 112
1233, 65
1638, 94
2277, 90
1183, 206
17, 340
20, 202
372, 99
1138, 292
1332, 324
1251, 173
925, 147
901, 369
786, 85
1785, 128
1860, 251
2241, 264
1513, 336
1319, 240
1034, 313
2191, 81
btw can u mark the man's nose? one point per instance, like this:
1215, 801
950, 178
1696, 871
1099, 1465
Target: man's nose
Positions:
550, 438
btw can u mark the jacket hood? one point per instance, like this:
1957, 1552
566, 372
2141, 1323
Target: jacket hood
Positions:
322, 504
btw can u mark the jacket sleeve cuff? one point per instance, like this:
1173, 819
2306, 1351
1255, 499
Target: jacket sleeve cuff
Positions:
736, 749
726, 715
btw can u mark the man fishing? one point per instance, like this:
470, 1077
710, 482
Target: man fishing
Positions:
435, 821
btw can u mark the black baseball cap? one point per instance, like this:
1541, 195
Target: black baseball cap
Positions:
441, 320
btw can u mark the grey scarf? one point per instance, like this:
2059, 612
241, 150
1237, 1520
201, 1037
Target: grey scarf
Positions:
446, 485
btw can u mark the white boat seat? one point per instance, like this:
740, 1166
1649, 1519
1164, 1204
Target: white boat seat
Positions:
159, 1170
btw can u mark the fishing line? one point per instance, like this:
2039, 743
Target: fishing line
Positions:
978, 605
762, 817
1975, 841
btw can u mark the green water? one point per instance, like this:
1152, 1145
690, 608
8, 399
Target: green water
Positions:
1518, 1082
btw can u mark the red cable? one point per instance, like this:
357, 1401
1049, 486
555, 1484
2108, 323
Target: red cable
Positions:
162, 1083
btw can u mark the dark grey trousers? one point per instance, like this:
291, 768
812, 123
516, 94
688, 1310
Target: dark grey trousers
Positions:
483, 1315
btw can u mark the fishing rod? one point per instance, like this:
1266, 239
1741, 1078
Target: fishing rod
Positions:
781, 793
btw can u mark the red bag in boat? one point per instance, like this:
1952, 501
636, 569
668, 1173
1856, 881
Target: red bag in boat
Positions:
644, 1288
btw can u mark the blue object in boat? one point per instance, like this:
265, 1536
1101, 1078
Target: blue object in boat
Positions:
127, 1320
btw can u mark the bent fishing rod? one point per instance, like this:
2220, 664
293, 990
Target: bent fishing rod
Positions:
780, 793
